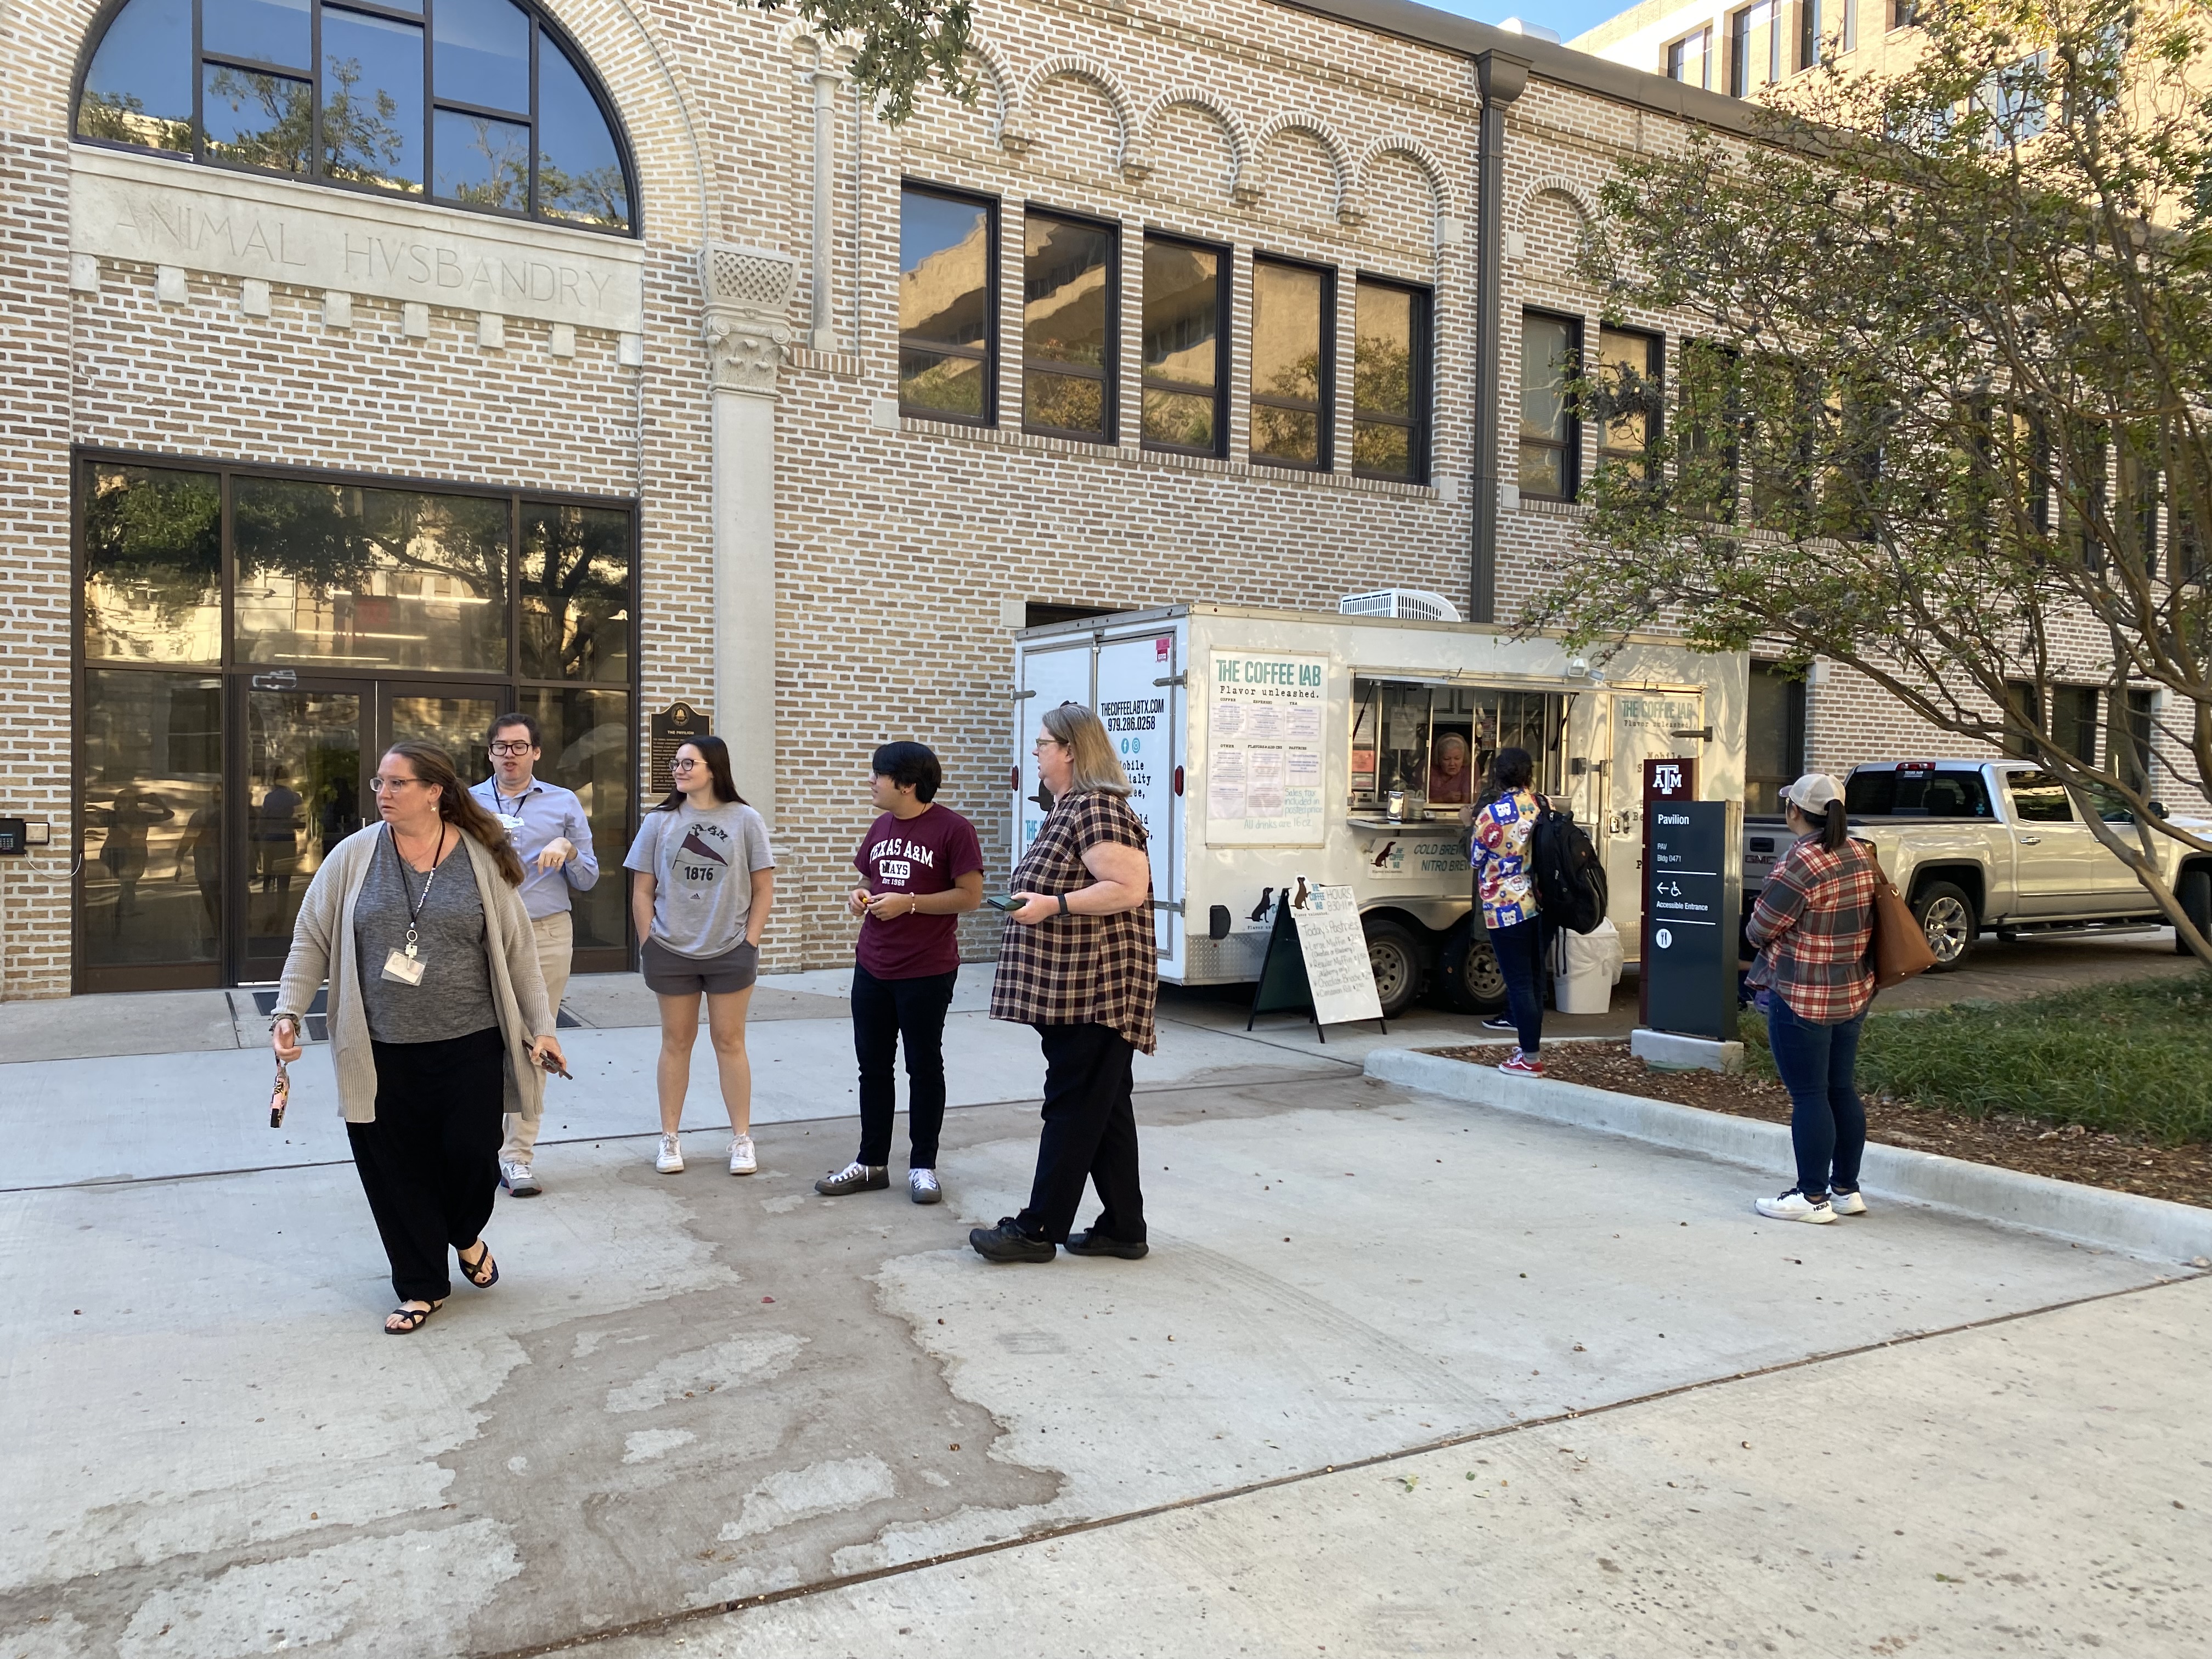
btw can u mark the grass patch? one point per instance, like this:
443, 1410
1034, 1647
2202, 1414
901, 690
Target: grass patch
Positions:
2133, 1058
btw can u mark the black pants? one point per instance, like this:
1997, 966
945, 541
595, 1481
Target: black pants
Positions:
1090, 1131
1520, 951
886, 1013
430, 1161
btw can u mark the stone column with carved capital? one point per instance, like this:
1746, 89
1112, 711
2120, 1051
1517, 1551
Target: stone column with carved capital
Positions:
746, 292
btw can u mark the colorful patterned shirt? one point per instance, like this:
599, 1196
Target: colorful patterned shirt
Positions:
1812, 924
1503, 881
1076, 969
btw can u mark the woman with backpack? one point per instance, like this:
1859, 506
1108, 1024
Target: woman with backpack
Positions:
1811, 924
1505, 886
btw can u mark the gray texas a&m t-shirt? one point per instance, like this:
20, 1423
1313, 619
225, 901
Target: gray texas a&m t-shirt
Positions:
702, 865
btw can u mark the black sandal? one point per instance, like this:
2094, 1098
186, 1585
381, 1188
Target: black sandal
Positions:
487, 1268
416, 1317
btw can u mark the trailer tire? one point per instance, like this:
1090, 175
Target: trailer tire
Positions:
1473, 981
2194, 891
1945, 912
1396, 957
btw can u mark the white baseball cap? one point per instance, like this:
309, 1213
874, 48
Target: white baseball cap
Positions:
1811, 794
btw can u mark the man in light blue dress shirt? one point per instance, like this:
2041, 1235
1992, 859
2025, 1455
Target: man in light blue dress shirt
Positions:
550, 833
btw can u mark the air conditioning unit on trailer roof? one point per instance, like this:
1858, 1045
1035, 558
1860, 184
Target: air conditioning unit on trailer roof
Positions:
1407, 604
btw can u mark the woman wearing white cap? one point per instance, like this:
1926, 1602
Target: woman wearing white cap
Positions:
1812, 926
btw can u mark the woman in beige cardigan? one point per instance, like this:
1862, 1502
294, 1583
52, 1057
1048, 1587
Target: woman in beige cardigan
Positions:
438, 1018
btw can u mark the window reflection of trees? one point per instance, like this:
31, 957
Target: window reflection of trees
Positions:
152, 565
575, 597
361, 138
367, 573
274, 119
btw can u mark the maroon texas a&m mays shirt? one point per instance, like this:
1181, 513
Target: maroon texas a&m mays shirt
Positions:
926, 853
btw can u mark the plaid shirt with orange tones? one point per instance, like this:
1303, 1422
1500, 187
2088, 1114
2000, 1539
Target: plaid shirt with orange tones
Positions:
1813, 923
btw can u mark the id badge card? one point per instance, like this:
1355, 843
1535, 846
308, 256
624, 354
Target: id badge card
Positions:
512, 823
407, 969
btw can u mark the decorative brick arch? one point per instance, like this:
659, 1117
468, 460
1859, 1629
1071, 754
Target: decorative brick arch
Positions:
1015, 132
1137, 159
1555, 184
1001, 74
1399, 143
1347, 206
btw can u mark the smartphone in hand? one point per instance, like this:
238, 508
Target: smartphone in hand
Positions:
1003, 900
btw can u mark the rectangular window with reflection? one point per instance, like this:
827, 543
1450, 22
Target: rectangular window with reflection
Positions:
152, 565
1739, 51
1708, 405
1630, 365
2132, 735
150, 889
948, 333
1550, 437
1808, 33
2023, 718
340, 575
1185, 336
1293, 358
1390, 381
1774, 736
1070, 323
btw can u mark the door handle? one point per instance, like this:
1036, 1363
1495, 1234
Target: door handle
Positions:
2031, 841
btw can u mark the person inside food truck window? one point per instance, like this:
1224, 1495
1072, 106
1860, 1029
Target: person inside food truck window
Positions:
1450, 780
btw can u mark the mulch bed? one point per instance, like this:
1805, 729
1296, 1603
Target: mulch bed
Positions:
2035, 1146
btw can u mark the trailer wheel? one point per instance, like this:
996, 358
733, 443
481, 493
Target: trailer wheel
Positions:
1473, 981
1946, 915
1394, 956
2194, 890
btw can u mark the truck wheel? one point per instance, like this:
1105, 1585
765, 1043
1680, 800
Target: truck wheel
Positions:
1947, 916
1395, 957
1473, 981
2194, 890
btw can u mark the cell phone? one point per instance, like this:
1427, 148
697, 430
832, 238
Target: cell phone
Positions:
1003, 900
554, 1066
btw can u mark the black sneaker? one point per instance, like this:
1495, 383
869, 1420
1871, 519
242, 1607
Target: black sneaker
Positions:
855, 1177
1007, 1242
1091, 1241
1500, 1023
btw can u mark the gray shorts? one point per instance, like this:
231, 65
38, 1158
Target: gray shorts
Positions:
668, 974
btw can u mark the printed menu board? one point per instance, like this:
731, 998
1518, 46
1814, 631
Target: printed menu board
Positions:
1264, 755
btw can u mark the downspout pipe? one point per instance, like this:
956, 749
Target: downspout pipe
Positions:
1503, 78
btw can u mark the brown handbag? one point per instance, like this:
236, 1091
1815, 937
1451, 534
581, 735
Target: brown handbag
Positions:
1900, 948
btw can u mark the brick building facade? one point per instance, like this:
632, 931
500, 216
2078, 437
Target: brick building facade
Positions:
306, 452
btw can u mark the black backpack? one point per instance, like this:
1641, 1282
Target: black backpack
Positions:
1570, 883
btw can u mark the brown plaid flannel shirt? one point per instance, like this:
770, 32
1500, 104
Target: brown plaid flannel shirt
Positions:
1812, 924
1073, 970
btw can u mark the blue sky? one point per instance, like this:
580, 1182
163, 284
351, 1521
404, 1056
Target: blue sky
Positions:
1569, 17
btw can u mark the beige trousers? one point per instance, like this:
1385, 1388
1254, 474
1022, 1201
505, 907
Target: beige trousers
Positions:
555, 936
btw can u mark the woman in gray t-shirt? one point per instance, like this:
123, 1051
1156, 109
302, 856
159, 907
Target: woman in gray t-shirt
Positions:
703, 881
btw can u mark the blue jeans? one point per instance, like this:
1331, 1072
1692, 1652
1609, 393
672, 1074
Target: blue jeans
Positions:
1827, 1119
1520, 951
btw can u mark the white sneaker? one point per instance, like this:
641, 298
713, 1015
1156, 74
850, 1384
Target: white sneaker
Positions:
1793, 1206
1847, 1203
741, 1161
671, 1161
922, 1186
518, 1180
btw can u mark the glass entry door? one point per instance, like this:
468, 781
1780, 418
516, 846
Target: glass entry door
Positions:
302, 792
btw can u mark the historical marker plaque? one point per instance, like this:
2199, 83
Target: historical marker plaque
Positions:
673, 728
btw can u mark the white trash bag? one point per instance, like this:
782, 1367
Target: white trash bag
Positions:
1586, 967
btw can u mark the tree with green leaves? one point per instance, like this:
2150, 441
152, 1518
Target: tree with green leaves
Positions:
900, 45
1946, 415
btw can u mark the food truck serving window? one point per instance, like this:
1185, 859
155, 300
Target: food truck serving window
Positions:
1436, 742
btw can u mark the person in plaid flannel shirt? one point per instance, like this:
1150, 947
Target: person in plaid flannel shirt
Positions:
1811, 927
1078, 963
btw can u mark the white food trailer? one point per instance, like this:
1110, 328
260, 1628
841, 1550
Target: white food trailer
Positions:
1266, 746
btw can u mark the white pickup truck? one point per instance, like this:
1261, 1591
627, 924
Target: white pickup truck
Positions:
1977, 845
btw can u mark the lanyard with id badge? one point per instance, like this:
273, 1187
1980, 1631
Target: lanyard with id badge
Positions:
406, 965
510, 817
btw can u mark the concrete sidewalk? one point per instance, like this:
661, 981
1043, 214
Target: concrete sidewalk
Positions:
689, 1391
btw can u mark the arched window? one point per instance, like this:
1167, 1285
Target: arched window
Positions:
436, 98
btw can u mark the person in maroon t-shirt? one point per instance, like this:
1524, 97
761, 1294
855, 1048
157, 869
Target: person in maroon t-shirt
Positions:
924, 868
